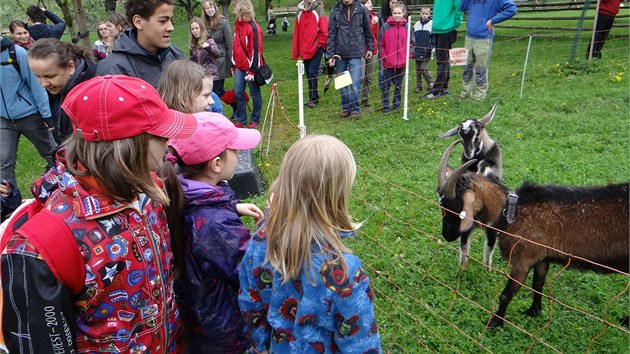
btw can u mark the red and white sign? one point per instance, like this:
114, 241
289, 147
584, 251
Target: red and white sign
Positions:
459, 56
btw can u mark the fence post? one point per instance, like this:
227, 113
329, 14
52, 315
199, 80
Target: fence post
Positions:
406, 94
301, 126
529, 47
578, 31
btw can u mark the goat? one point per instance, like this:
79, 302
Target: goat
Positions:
464, 235
479, 146
582, 227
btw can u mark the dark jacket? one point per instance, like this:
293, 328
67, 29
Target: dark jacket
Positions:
83, 71
223, 37
349, 38
129, 58
422, 39
42, 30
215, 241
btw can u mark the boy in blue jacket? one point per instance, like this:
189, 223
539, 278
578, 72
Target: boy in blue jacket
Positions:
423, 45
482, 16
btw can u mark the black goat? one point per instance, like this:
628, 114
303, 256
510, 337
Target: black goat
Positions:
582, 227
479, 146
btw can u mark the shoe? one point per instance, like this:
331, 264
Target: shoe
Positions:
311, 104
418, 89
239, 125
355, 115
365, 104
396, 109
385, 110
431, 95
345, 114
253, 125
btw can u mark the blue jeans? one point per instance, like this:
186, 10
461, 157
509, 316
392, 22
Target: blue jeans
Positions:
311, 67
392, 77
33, 128
350, 94
241, 106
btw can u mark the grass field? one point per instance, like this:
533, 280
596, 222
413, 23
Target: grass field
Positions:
571, 126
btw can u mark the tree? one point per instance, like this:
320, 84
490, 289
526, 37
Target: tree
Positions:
189, 6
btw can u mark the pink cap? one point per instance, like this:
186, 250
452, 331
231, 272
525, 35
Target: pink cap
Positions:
115, 107
214, 134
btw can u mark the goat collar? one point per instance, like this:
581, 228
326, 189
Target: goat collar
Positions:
511, 202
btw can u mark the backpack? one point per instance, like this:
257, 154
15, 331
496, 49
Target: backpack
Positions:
51, 237
12, 58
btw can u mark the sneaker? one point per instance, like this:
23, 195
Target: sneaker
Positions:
311, 104
385, 110
431, 95
253, 125
345, 114
355, 115
239, 125
365, 104
418, 89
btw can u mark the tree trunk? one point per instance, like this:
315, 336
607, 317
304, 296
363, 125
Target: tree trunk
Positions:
67, 14
110, 6
83, 31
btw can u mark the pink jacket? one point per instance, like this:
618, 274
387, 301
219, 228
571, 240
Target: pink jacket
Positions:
392, 41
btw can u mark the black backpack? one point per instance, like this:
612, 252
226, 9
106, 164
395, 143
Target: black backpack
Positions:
12, 56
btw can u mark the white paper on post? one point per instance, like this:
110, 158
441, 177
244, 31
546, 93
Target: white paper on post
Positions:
343, 80
459, 56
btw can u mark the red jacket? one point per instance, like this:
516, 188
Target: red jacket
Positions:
126, 303
392, 42
310, 31
245, 57
374, 29
609, 7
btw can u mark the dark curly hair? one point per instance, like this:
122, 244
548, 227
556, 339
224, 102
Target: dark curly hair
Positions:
36, 14
143, 8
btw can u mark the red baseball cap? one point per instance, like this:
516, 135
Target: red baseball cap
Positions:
113, 107
214, 134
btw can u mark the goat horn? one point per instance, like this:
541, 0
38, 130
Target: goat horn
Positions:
488, 117
449, 133
443, 166
447, 185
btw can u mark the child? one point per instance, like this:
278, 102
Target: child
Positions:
392, 50
203, 50
423, 45
301, 289
285, 24
370, 63
187, 87
213, 238
103, 44
103, 206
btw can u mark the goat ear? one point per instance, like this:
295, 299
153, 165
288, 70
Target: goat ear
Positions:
449, 133
488, 117
468, 210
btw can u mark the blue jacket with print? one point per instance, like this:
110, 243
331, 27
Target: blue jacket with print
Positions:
334, 314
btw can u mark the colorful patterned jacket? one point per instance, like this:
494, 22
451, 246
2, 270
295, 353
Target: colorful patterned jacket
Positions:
334, 315
126, 303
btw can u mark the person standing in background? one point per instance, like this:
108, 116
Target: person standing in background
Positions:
349, 40
37, 27
103, 45
608, 9
423, 46
370, 64
310, 33
19, 31
482, 16
392, 41
446, 19
220, 30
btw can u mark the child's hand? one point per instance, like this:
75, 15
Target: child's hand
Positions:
489, 26
5, 188
247, 209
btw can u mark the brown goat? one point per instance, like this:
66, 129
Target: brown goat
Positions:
582, 227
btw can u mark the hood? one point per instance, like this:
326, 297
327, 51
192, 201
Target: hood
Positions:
313, 6
83, 70
203, 194
393, 23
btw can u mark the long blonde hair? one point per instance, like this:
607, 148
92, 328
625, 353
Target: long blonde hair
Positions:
196, 43
211, 22
121, 167
180, 83
310, 205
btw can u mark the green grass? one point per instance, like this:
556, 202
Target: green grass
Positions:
570, 127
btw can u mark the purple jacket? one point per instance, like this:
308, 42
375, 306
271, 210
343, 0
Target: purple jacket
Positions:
215, 242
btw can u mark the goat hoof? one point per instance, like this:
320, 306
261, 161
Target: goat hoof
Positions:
532, 311
495, 322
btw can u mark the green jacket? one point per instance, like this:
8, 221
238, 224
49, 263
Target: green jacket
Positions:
446, 16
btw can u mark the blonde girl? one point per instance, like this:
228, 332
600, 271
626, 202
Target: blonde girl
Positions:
220, 30
187, 86
203, 50
301, 288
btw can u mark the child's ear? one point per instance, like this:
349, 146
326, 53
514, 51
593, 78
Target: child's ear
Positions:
215, 165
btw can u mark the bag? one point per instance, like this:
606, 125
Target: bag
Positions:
264, 75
